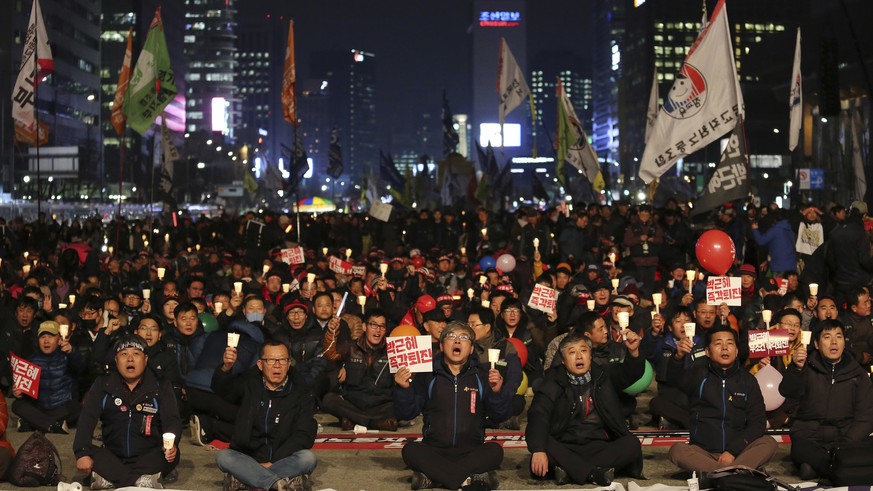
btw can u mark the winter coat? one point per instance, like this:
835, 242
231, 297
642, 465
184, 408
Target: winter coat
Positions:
836, 400
454, 407
214, 346
779, 239
57, 379
305, 346
271, 425
368, 380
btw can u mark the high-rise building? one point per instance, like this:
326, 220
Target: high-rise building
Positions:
362, 147
608, 21
210, 48
546, 72
68, 100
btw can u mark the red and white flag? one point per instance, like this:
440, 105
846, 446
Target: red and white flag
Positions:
704, 103
36, 64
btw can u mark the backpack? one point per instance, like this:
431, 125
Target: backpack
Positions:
742, 478
37, 463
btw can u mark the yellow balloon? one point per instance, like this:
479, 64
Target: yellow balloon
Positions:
522, 387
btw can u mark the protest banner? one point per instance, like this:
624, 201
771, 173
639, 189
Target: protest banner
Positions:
543, 298
724, 289
339, 266
413, 352
25, 375
293, 255
769, 343
380, 211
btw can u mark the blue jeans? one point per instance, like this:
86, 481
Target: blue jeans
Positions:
253, 474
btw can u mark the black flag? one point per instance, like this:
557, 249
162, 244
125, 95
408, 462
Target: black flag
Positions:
334, 156
730, 180
450, 136
299, 164
389, 173
537, 188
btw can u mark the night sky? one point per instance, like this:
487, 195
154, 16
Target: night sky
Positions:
422, 46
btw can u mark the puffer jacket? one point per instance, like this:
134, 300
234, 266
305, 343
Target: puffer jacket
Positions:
305, 346
58, 377
836, 400
214, 346
727, 407
368, 380
454, 407
779, 239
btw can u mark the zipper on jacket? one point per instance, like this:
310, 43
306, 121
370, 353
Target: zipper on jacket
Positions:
129, 422
723, 415
267, 429
833, 373
455, 419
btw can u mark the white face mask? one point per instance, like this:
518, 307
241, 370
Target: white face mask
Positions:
255, 317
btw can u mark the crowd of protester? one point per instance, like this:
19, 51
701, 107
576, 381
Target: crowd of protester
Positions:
151, 326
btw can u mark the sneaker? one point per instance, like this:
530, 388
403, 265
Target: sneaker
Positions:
170, 478
346, 424
420, 481
561, 476
296, 483
404, 423
602, 476
231, 483
489, 478
151, 481
59, 428
388, 424
100, 482
198, 434
23, 426
807, 473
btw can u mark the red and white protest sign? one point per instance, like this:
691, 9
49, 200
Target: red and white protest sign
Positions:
339, 266
724, 289
25, 375
413, 352
360, 271
543, 298
769, 343
783, 286
293, 255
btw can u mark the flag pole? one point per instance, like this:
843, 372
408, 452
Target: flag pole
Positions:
533, 119
297, 189
120, 179
36, 115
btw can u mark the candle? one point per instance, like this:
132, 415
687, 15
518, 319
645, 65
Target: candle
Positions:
111, 249
348, 254
493, 356
615, 282
484, 232
767, 316
62, 306
146, 293
806, 337
218, 306
266, 269
590, 303
25, 269
72, 299
623, 319
26, 254
690, 329
483, 279
197, 246
362, 301
161, 273
486, 304
656, 299
383, 268
612, 257
64, 330
470, 293
166, 237
286, 287
237, 286
536, 242
463, 251
324, 251
813, 289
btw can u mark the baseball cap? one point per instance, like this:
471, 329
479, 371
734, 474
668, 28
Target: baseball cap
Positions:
622, 301
296, 304
50, 327
860, 206
444, 300
425, 303
748, 269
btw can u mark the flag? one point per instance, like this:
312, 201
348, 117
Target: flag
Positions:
26, 135
857, 158
289, 80
171, 155
511, 86
36, 64
334, 155
450, 136
730, 180
503, 182
118, 117
487, 160
795, 99
652, 113
537, 188
389, 173
153, 84
272, 176
249, 183
299, 164
704, 103
572, 144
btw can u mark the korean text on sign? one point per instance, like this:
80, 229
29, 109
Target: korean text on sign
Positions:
339, 266
543, 298
413, 352
774, 342
724, 289
25, 375
293, 255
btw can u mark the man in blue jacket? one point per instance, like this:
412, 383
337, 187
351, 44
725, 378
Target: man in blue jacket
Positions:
455, 399
728, 420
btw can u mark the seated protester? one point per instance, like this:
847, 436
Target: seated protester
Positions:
858, 323
162, 354
728, 421
836, 401
6, 450
433, 322
134, 410
324, 310
86, 327
58, 399
670, 406
213, 417
788, 319
481, 321
513, 323
574, 426
305, 341
110, 328
276, 427
593, 326
364, 396
18, 336
455, 399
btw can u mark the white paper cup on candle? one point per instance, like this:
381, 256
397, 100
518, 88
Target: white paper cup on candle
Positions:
25, 269
615, 282
806, 337
310, 278
362, 301
286, 287
64, 330
671, 283
383, 268
813, 289
470, 293
483, 279
656, 299
169, 441
623, 319
62, 306
493, 356
767, 316
536, 242
486, 304
463, 251
611, 256
232, 339
348, 254
324, 251
218, 306
590, 304
690, 275
146, 293
161, 273
266, 269
690, 330
72, 299
237, 286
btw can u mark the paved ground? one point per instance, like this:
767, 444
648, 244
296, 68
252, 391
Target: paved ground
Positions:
374, 470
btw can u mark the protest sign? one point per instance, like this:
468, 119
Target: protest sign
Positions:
293, 255
380, 211
339, 266
359, 271
25, 375
413, 352
543, 298
769, 343
782, 283
724, 289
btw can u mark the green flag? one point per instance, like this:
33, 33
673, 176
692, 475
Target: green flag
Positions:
153, 84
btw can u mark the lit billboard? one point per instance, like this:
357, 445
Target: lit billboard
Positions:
490, 132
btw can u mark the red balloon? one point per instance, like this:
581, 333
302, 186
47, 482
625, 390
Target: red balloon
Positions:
521, 349
716, 252
418, 262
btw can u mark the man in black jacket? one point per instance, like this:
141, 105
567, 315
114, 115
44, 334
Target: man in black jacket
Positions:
836, 401
135, 411
575, 428
728, 420
275, 428
455, 399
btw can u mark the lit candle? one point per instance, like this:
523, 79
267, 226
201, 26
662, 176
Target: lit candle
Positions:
767, 316
26, 254
383, 268
536, 243
656, 299
218, 306
463, 251
111, 249
197, 246
470, 293
590, 303
615, 282
25, 269
348, 254
483, 279
484, 232
161, 273
362, 301
266, 269
166, 237
72, 299
612, 257
286, 287
324, 251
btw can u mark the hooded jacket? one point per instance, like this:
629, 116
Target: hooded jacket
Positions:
212, 355
57, 382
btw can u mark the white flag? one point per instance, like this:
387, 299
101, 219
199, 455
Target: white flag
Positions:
171, 154
36, 63
857, 158
652, 113
510, 82
704, 103
795, 100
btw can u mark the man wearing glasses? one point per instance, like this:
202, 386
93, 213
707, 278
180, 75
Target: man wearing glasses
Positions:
275, 427
455, 399
365, 396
